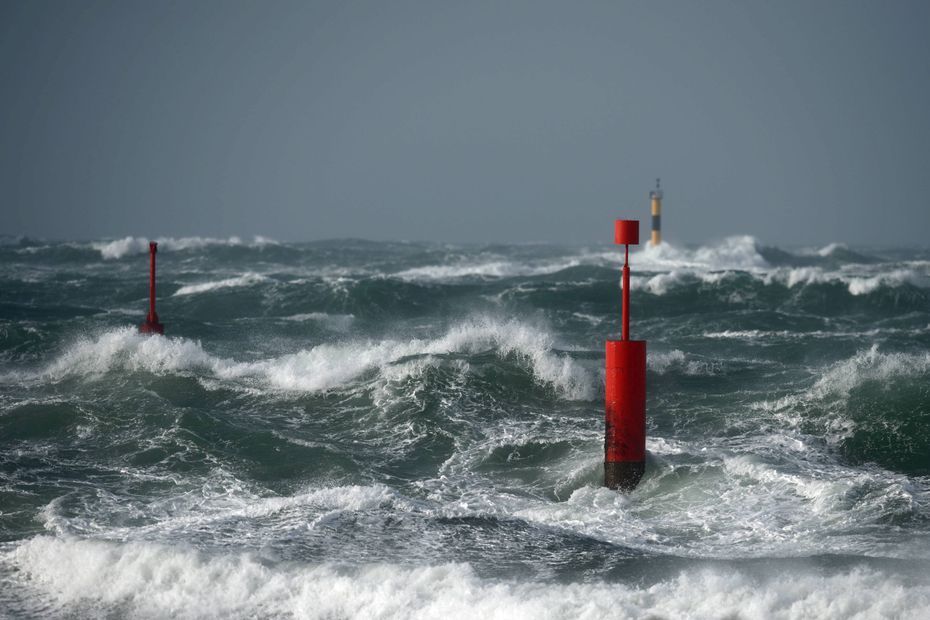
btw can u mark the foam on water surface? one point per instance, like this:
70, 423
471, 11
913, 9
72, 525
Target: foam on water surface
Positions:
325, 366
155, 580
138, 245
247, 279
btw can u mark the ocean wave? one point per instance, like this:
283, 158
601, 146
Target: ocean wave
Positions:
753, 334
138, 245
840, 252
831, 248
151, 580
662, 362
128, 349
733, 253
662, 283
856, 284
226, 501
870, 365
326, 366
838, 380
335, 322
491, 269
739, 252
871, 408
700, 499
784, 334
247, 279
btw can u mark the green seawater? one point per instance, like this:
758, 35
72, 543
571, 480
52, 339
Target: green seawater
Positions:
347, 429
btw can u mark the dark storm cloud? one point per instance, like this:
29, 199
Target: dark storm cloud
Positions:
794, 121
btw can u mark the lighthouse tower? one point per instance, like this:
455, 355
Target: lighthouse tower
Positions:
656, 197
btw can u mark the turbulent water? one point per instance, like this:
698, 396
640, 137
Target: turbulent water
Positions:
348, 429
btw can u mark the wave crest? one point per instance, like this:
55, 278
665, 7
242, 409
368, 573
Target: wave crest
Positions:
246, 279
158, 580
138, 245
326, 366
871, 365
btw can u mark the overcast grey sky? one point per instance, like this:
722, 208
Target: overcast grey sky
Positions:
798, 122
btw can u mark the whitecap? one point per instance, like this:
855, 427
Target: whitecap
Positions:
490, 269
869, 365
152, 580
855, 283
119, 248
328, 365
247, 279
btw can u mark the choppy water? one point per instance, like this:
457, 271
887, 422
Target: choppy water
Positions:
355, 429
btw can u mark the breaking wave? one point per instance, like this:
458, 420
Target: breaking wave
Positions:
150, 580
139, 245
247, 279
738, 252
874, 407
871, 365
327, 366
856, 284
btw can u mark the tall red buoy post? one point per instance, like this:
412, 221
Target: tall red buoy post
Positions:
625, 406
151, 325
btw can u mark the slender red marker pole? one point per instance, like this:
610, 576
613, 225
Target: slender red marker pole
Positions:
625, 393
151, 325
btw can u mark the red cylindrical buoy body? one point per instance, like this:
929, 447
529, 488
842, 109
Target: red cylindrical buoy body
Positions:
625, 409
151, 325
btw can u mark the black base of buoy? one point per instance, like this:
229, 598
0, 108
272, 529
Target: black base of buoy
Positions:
624, 475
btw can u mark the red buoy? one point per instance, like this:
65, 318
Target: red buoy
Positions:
151, 325
625, 406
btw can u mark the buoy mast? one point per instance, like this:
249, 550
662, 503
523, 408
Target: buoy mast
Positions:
151, 325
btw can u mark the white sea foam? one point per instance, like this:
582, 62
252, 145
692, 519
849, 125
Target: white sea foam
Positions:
713, 263
705, 501
831, 248
898, 277
759, 334
148, 580
329, 365
662, 283
748, 334
841, 378
855, 283
137, 245
326, 366
246, 279
490, 269
871, 365
126, 348
837, 381
663, 361
733, 253
225, 501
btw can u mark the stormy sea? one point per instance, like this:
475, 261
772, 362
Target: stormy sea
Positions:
355, 429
